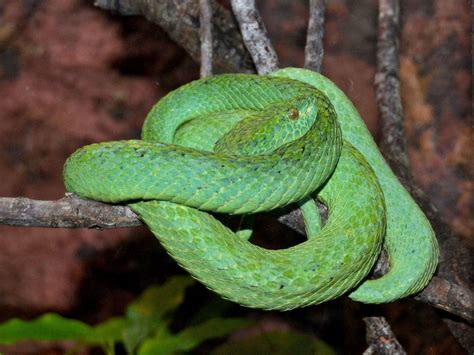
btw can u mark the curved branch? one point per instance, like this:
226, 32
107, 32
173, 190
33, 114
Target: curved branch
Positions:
180, 19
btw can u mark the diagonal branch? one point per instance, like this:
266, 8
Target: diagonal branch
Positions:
255, 36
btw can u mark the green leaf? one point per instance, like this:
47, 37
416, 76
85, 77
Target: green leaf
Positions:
146, 314
276, 343
49, 326
144, 318
108, 331
156, 301
191, 337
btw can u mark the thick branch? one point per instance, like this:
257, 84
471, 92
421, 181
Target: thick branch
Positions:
180, 19
255, 36
380, 338
205, 23
449, 297
314, 49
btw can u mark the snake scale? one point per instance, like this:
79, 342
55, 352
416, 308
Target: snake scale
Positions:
242, 144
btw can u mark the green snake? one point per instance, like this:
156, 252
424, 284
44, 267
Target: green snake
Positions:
242, 144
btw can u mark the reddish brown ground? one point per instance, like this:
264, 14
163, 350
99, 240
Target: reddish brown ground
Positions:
71, 74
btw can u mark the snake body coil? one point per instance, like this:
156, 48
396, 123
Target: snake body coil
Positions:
241, 144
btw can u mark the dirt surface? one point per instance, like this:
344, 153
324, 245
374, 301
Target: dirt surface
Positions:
71, 74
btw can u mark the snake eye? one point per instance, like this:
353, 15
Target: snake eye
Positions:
293, 114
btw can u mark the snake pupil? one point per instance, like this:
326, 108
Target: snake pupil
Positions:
293, 114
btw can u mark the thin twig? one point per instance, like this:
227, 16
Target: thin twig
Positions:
255, 36
314, 49
178, 19
205, 21
380, 338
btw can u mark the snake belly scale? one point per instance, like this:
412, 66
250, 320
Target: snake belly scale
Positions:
241, 144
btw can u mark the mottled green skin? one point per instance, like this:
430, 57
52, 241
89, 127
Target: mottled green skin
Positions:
281, 159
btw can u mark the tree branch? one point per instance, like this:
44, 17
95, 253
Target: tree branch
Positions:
255, 36
452, 298
205, 27
314, 49
68, 212
180, 20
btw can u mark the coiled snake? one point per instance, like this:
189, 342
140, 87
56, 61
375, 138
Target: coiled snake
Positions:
241, 144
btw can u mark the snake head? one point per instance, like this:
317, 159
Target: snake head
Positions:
267, 130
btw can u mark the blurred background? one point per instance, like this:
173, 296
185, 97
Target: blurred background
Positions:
72, 74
